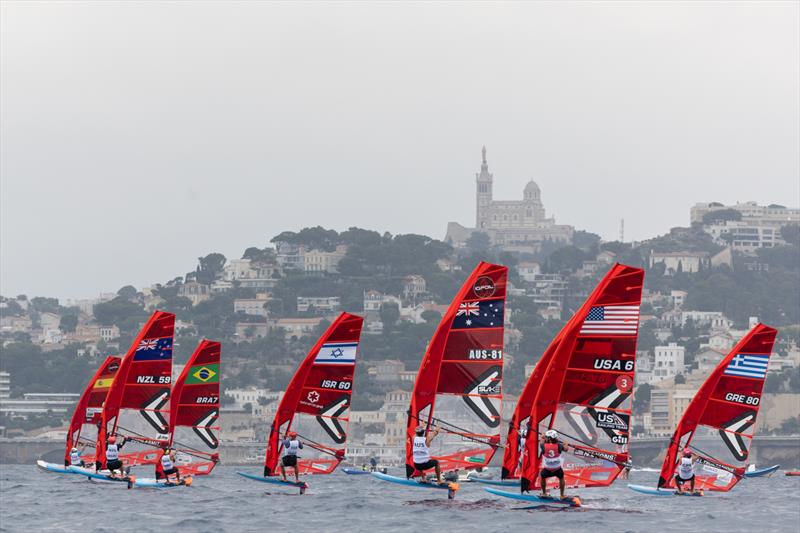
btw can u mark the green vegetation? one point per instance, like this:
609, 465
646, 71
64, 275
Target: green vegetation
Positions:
765, 285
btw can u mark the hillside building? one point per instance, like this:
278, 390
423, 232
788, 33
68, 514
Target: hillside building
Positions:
511, 224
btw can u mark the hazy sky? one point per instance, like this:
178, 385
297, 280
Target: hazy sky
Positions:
136, 137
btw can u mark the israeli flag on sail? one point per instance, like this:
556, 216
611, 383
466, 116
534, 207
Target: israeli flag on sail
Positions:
748, 366
337, 353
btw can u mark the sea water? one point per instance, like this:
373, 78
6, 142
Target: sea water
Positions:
32, 500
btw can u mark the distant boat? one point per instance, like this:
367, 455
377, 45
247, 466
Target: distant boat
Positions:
316, 404
727, 404
137, 404
582, 388
458, 389
194, 426
86, 416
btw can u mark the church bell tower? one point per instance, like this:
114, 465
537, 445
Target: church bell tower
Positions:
483, 188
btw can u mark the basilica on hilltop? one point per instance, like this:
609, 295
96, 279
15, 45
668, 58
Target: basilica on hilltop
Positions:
510, 224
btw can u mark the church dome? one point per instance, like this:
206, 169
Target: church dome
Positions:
532, 191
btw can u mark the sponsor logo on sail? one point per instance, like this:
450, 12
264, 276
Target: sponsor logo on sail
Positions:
592, 453
484, 287
608, 420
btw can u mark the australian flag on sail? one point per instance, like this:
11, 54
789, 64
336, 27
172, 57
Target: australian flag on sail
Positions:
337, 353
748, 366
480, 314
154, 350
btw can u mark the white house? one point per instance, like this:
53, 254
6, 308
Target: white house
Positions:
668, 361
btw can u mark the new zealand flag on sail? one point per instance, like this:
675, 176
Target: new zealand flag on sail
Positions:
154, 350
480, 314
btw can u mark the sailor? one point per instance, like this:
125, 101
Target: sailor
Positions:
291, 445
626, 469
113, 462
685, 471
165, 466
550, 450
422, 454
522, 436
373, 464
75, 456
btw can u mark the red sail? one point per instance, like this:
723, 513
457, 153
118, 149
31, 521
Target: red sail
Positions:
136, 406
725, 406
585, 393
88, 412
194, 410
316, 403
461, 375
515, 441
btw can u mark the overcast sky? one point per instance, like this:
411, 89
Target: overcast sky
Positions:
136, 137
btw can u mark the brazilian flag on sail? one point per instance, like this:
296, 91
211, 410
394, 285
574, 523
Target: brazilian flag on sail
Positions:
201, 374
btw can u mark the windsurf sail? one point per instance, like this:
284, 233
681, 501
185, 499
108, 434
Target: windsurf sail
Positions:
137, 403
194, 411
88, 411
518, 425
725, 407
316, 403
585, 391
461, 375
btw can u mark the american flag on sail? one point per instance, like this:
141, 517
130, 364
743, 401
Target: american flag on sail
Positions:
611, 320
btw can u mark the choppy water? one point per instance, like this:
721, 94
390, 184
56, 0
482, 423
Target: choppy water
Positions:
34, 501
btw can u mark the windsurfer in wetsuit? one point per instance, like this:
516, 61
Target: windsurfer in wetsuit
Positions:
75, 458
165, 466
291, 445
113, 462
552, 461
685, 471
626, 470
422, 454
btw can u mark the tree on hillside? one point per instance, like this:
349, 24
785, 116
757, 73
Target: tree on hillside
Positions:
585, 240
210, 267
721, 215
258, 255
45, 305
568, 258
360, 237
431, 317
390, 314
128, 292
121, 312
68, 323
478, 241
316, 238
641, 398
791, 234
